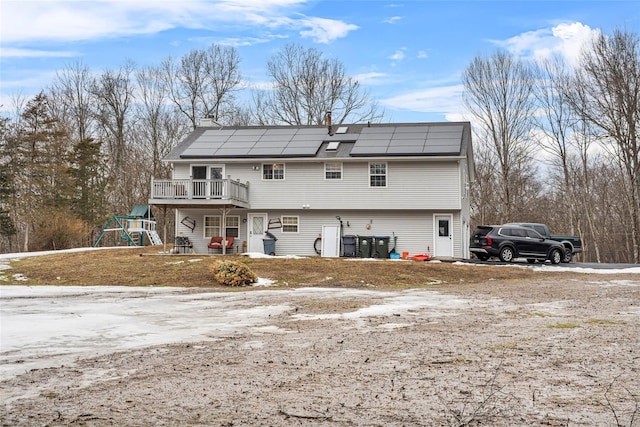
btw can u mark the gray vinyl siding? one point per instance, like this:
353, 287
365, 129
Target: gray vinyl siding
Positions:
410, 185
415, 192
414, 229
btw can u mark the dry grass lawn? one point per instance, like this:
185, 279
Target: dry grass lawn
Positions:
484, 345
146, 267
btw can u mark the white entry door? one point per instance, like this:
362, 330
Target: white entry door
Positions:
257, 225
443, 235
330, 241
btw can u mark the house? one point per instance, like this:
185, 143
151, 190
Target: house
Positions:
406, 181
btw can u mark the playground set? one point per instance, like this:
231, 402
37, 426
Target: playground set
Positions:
136, 229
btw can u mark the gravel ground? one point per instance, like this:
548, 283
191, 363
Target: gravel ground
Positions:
499, 354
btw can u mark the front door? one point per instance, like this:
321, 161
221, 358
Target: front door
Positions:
444, 236
257, 226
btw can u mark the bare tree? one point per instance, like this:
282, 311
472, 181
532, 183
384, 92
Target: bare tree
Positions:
73, 101
499, 94
159, 126
203, 83
605, 91
114, 95
306, 86
223, 78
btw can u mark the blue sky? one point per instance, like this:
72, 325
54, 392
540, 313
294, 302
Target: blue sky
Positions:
409, 54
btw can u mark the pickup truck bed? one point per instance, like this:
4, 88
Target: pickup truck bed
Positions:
572, 244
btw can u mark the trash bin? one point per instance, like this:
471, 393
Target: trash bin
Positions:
269, 243
269, 246
364, 243
381, 246
349, 246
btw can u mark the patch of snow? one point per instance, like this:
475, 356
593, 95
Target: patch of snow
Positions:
261, 255
558, 268
20, 255
264, 282
396, 304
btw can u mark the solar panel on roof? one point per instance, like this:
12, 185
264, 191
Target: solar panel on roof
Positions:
264, 152
250, 132
300, 151
442, 128
264, 144
405, 149
225, 132
281, 131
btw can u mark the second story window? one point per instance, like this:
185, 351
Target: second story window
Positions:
377, 174
273, 171
333, 170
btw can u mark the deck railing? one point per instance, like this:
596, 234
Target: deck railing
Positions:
198, 189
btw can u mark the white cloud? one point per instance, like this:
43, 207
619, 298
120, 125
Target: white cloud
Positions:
392, 20
71, 21
326, 30
64, 21
370, 79
8, 52
566, 39
399, 54
442, 99
423, 54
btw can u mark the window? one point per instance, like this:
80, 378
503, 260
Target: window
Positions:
290, 224
333, 170
233, 226
212, 226
273, 171
377, 174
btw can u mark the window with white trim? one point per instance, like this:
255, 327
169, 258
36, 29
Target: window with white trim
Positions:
377, 174
333, 170
212, 226
273, 171
290, 224
233, 226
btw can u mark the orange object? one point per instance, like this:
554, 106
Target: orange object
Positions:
421, 257
405, 255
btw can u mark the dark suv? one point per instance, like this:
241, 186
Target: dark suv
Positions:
509, 241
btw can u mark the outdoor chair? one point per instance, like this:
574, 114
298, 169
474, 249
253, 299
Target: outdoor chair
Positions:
183, 245
218, 243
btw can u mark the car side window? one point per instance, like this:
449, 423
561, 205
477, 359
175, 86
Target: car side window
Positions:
518, 233
533, 234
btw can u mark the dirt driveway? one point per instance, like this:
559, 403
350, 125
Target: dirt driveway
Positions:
537, 353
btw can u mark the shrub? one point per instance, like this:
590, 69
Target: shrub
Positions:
59, 228
231, 273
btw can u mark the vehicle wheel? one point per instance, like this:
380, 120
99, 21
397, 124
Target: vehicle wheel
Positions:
506, 254
568, 255
555, 256
483, 257
531, 260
